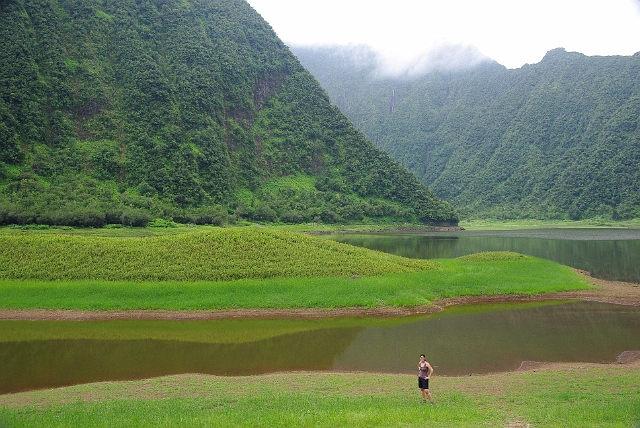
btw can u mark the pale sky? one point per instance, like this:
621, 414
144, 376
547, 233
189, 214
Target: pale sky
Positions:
512, 32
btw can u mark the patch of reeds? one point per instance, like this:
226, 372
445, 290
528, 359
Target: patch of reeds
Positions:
214, 255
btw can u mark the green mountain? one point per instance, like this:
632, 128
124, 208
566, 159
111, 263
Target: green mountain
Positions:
555, 140
192, 111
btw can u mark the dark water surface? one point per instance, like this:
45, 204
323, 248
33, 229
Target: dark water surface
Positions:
612, 254
460, 340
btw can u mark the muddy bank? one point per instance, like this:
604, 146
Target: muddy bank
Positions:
622, 293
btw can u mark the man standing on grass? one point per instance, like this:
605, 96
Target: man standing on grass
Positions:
423, 379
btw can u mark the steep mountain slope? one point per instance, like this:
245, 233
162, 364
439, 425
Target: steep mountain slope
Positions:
557, 139
123, 111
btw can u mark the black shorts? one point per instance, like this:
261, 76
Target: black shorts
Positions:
423, 383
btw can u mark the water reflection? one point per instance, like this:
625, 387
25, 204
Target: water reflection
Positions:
52, 363
460, 340
499, 340
607, 253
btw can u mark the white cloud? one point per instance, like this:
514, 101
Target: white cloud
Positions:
512, 32
443, 57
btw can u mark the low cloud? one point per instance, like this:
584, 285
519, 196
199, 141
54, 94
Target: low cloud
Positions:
442, 58
394, 64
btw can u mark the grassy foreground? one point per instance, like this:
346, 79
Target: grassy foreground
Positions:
573, 397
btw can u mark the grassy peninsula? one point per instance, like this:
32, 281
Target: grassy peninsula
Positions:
248, 268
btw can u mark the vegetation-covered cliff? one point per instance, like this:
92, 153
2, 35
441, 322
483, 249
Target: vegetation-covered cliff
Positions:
557, 139
192, 111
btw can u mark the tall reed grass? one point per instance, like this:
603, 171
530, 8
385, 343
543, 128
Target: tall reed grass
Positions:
214, 255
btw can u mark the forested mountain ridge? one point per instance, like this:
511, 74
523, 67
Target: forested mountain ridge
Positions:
557, 139
192, 111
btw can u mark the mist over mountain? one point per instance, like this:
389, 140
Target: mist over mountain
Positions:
377, 65
559, 139
191, 111
445, 58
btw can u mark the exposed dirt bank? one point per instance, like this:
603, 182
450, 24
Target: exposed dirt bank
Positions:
622, 293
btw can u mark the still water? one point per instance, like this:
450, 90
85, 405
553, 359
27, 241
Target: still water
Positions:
612, 254
460, 340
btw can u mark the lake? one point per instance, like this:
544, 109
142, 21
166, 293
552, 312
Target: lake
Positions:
612, 254
462, 340
472, 339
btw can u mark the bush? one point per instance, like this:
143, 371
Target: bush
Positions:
87, 218
135, 218
292, 217
215, 216
263, 212
159, 222
330, 217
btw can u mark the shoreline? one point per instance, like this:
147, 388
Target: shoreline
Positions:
390, 230
621, 293
198, 382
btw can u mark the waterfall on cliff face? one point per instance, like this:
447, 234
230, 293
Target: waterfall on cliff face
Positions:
392, 107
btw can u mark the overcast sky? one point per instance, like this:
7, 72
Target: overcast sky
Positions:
512, 32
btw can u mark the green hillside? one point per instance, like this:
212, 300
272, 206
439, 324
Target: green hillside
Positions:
555, 140
191, 111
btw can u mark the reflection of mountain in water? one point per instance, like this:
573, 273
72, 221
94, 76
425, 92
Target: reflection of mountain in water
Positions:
413, 246
53, 363
613, 255
499, 340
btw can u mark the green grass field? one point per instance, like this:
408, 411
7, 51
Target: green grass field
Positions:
248, 268
492, 224
574, 397
452, 278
